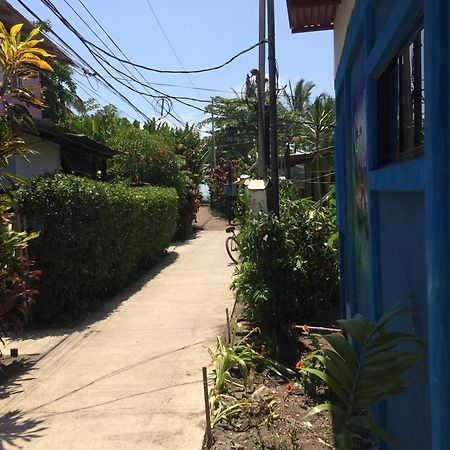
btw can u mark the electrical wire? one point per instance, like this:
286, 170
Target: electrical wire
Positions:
170, 43
160, 94
98, 57
91, 92
118, 48
103, 42
50, 5
209, 69
86, 64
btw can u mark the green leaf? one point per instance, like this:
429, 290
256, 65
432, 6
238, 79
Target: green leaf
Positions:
338, 371
388, 316
330, 381
355, 329
344, 440
367, 423
344, 349
333, 408
390, 338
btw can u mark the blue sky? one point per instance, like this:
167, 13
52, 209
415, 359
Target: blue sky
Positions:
203, 33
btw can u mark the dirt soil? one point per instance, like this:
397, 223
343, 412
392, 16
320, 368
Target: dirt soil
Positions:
276, 420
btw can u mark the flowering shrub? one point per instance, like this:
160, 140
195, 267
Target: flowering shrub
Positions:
217, 179
95, 237
155, 159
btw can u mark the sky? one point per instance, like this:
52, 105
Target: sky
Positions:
177, 35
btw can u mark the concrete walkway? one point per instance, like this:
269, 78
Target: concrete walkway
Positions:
130, 378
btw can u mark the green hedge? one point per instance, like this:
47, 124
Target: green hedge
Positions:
95, 238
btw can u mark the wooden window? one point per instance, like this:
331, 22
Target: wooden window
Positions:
401, 105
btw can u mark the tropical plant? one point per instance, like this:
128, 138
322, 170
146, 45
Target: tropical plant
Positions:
16, 273
235, 123
20, 59
320, 121
298, 98
59, 93
363, 377
230, 359
289, 266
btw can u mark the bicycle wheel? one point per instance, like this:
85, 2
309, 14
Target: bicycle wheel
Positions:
232, 249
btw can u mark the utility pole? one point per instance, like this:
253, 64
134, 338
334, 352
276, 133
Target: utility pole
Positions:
261, 85
275, 200
287, 161
213, 134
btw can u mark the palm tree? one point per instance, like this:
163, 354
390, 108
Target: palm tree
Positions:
320, 121
298, 99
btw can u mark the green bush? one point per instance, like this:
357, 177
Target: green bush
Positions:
95, 237
289, 265
146, 158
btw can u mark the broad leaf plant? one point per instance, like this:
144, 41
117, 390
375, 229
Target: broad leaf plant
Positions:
21, 58
364, 376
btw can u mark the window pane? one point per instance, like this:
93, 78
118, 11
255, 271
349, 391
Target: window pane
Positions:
401, 109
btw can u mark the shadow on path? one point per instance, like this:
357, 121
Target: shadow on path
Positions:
15, 428
117, 372
12, 375
109, 305
126, 397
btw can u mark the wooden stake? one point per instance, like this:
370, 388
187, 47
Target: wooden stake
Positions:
207, 410
331, 330
228, 326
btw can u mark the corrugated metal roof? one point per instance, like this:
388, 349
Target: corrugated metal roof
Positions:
59, 133
311, 15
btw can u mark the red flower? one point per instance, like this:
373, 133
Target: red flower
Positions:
299, 364
305, 328
289, 388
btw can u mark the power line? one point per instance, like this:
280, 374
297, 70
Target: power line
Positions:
103, 42
80, 58
162, 94
113, 42
170, 43
98, 57
152, 69
85, 89
194, 87
85, 42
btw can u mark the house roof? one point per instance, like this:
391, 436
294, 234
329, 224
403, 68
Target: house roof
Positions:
62, 135
311, 15
10, 16
302, 158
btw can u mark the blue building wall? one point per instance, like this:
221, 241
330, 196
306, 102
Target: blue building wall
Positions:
394, 219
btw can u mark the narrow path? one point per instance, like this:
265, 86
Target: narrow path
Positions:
131, 378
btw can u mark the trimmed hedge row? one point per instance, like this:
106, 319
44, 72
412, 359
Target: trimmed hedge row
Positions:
95, 238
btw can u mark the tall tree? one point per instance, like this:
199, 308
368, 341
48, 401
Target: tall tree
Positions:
235, 123
59, 94
299, 98
320, 122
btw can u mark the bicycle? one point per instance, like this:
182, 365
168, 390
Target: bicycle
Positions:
231, 245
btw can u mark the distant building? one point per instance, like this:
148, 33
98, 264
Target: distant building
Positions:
392, 162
